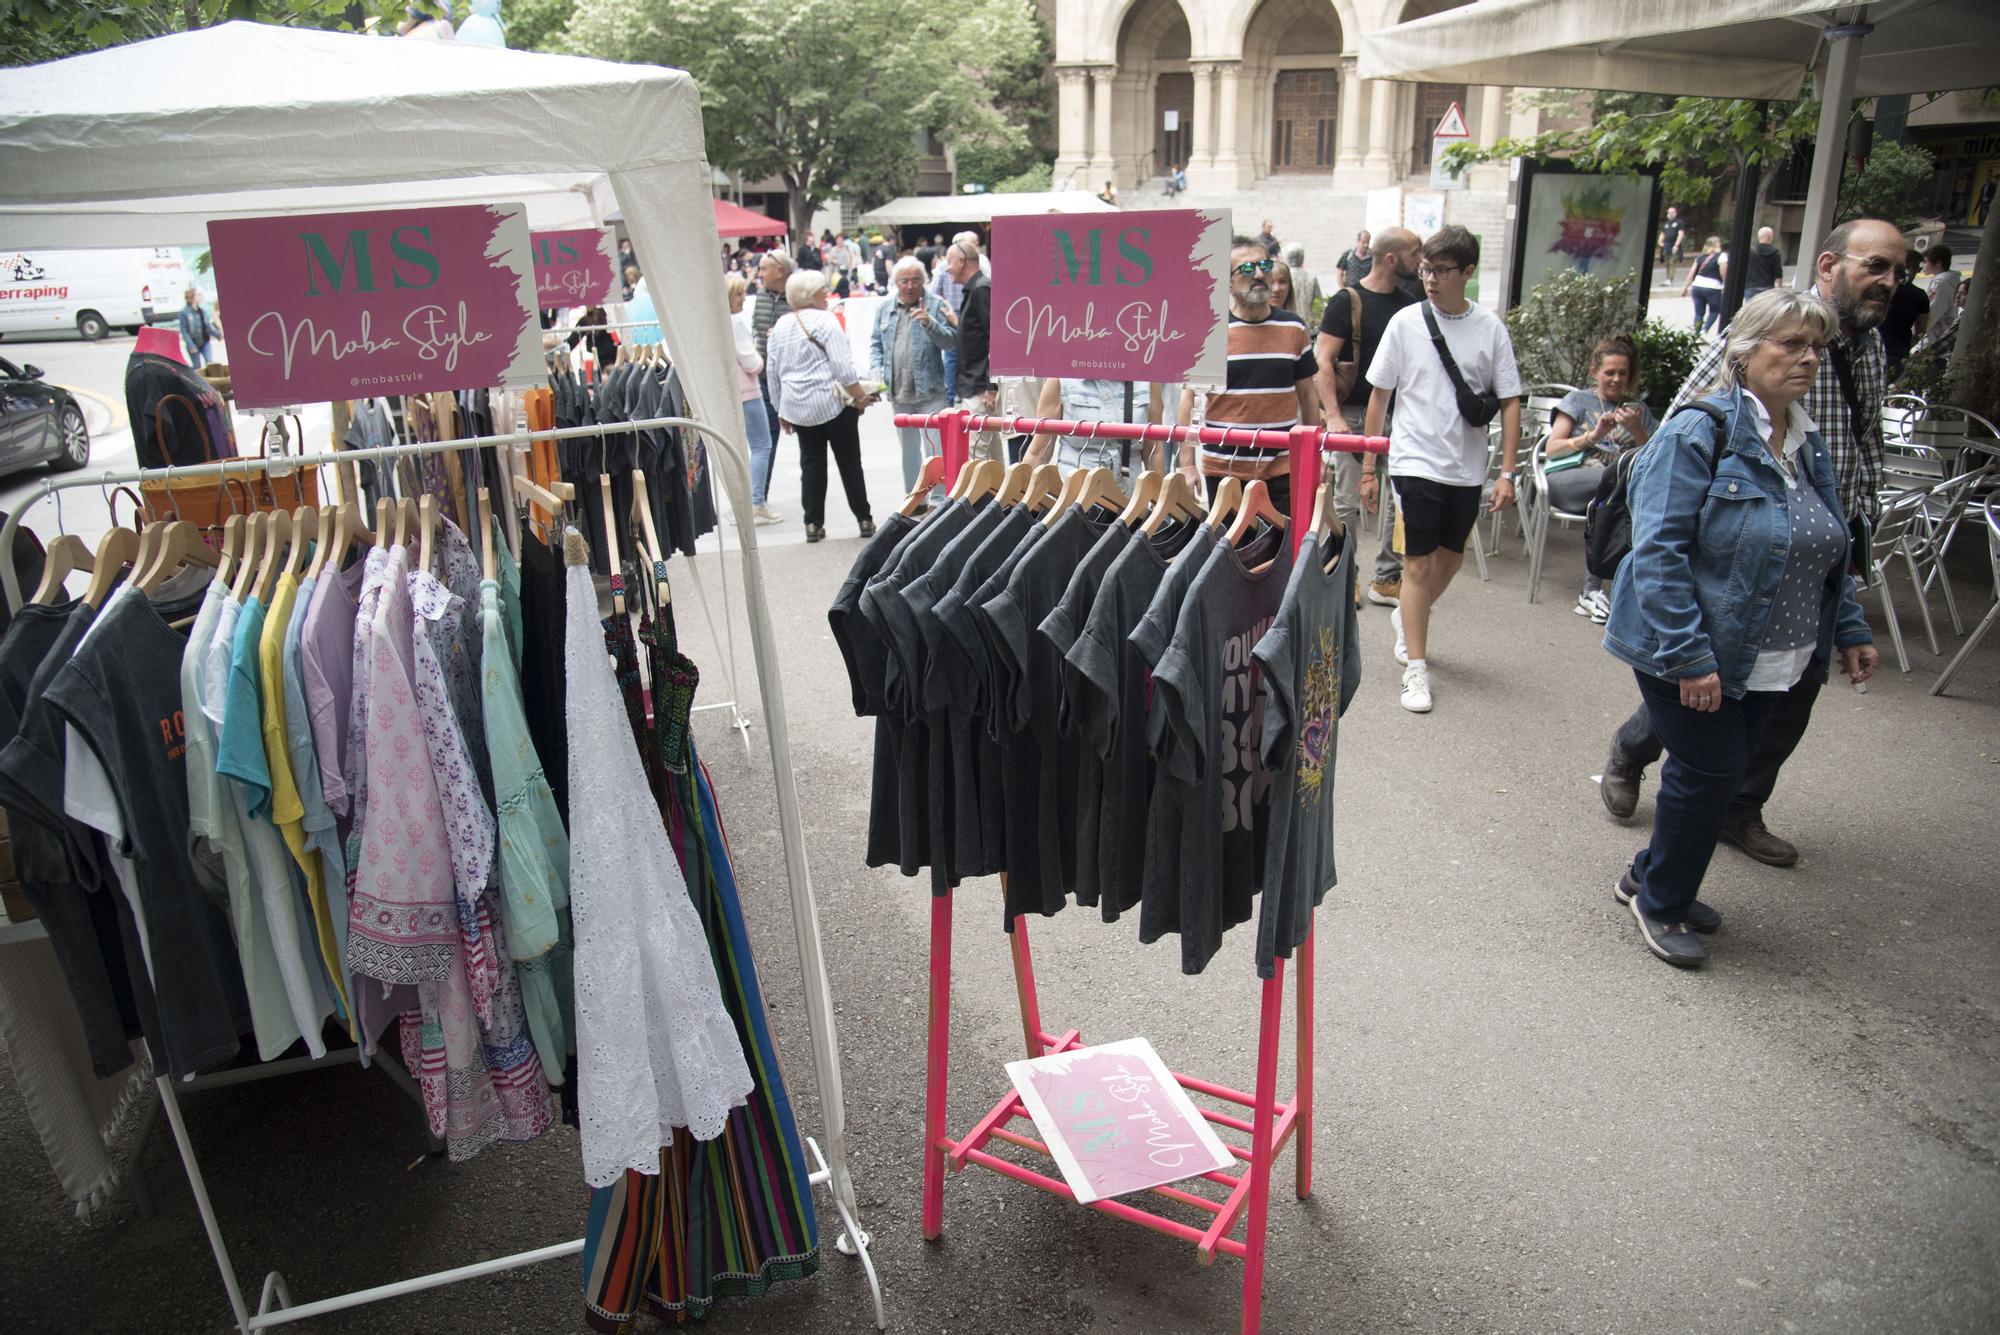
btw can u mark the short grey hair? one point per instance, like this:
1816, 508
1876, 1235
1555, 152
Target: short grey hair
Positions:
970, 240
907, 262
779, 258
1768, 315
803, 287
1295, 255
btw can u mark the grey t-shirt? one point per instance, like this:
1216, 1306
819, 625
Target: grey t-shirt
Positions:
1205, 690
1309, 664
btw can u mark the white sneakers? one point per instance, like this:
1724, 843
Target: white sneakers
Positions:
1593, 605
1417, 690
1402, 646
763, 514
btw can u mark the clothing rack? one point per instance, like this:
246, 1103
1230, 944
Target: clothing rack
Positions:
1271, 1124
275, 1305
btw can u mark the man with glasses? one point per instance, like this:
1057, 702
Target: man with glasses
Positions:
1856, 275
975, 387
1270, 384
1437, 456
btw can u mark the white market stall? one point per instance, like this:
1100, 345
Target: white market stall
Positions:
917, 210
98, 150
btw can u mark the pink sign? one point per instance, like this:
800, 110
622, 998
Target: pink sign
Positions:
1115, 1119
1113, 296
577, 268
341, 305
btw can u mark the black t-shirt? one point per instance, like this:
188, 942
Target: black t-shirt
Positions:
975, 313
128, 711
1027, 679
1205, 694
1338, 320
1899, 326
1309, 664
1766, 267
544, 688
867, 659
158, 392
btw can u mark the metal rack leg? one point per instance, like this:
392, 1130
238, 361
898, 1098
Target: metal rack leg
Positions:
192, 1166
937, 1066
1302, 1127
1264, 1118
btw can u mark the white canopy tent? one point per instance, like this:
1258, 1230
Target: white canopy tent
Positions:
100, 150
915, 210
1708, 48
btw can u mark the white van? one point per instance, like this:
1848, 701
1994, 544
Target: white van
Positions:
90, 291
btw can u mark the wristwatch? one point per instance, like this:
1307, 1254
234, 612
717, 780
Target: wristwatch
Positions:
1506, 475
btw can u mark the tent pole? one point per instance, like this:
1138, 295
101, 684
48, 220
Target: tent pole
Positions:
1833, 81
1749, 170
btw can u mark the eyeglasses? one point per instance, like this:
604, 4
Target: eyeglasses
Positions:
1438, 270
1799, 347
1874, 266
1256, 266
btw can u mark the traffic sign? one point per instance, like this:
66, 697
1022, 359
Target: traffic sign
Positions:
1452, 124
1450, 130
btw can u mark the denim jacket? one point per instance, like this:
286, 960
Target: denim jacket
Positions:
1708, 552
931, 386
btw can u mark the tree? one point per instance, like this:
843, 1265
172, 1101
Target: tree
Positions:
32, 31
1895, 185
831, 96
1694, 141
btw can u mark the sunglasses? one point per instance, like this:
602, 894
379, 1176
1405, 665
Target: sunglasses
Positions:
1256, 266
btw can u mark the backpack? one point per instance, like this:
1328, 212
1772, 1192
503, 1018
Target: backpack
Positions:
1607, 524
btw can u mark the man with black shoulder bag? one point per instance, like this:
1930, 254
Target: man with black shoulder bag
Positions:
1450, 366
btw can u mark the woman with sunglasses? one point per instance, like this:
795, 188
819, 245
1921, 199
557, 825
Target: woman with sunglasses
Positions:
1735, 596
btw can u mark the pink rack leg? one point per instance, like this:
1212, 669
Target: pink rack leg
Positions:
1271, 1019
937, 1066
1302, 1133
1024, 985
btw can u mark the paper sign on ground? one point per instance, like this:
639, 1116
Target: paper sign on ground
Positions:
1116, 1120
1141, 295
574, 268
398, 301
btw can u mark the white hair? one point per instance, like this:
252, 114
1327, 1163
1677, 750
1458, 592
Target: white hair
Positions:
1766, 315
907, 262
970, 240
804, 287
1295, 254
784, 262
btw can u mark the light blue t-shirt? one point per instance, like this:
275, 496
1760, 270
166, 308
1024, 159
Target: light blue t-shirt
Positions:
239, 753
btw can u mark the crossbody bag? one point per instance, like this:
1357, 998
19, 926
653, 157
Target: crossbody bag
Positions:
1348, 370
1476, 406
840, 390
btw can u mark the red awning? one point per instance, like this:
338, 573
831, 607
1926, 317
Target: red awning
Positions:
735, 220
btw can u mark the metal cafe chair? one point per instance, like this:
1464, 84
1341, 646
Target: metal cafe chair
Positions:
1991, 511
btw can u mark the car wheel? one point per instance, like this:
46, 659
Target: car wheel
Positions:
92, 326
74, 444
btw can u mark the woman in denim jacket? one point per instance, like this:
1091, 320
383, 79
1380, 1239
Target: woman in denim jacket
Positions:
1736, 593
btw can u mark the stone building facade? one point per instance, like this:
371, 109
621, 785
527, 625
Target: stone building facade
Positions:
1260, 101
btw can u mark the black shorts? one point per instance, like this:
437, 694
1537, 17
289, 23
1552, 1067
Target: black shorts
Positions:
1435, 514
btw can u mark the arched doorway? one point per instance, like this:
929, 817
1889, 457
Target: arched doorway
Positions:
1153, 47
1291, 87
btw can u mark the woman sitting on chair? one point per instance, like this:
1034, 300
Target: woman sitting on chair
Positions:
1588, 429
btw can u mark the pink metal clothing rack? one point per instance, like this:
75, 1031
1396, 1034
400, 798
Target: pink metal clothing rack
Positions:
1270, 1125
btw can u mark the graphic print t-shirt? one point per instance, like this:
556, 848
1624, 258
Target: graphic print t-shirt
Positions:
1309, 664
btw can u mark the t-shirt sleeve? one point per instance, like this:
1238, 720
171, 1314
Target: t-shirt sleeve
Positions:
1576, 406
1506, 371
1091, 673
1337, 320
1385, 370
1183, 717
1274, 659
1307, 364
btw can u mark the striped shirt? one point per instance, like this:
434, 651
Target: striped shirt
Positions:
1267, 360
805, 382
1857, 461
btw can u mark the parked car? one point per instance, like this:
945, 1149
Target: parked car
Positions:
39, 422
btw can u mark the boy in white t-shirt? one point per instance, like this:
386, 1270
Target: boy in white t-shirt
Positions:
1437, 459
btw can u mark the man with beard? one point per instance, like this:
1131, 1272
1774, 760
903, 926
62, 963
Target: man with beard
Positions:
1855, 275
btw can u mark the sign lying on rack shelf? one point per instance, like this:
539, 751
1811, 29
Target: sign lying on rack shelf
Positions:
1142, 295
1116, 1120
398, 301
574, 268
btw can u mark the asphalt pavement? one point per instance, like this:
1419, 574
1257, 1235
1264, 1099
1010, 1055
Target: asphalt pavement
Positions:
1524, 1124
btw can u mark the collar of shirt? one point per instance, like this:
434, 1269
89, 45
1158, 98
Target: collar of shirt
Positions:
1797, 424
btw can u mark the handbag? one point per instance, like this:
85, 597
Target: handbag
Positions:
840, 390
205, 501
1347, 370
1476, 406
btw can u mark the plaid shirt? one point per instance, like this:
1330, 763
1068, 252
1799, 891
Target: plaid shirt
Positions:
1857, 464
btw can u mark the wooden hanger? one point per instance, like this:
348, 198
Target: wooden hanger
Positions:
118, 550
1228, 500
181, 545
987, 475
1072, 489
550, 502
407, 520
64, 557
305, 523
1143, 495
611, 548
426, 530
1013, 484
385, 515
1043, 485
1326, 519
150, 536
325, 526
928, 477
649, 536
1256, 505
277, 541
1103, 492
1176, 501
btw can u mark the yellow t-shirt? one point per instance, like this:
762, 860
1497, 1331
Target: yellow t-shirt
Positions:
288, 811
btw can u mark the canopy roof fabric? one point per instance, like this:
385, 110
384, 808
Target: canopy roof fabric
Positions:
735, 220
1696, 48
913, 209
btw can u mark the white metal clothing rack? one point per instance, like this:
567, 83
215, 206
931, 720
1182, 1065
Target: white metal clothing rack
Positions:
275, 1305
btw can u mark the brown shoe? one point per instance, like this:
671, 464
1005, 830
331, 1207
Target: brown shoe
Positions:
1748, 833
1386, 592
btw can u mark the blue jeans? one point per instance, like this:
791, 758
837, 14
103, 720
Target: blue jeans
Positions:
918, 444
1708, 756
770, 413
1707, 306
951, 373
761, 449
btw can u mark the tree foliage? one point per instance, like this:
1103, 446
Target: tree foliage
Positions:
32, 31
1556, 325
1896, 185
1694, 141
831, 96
